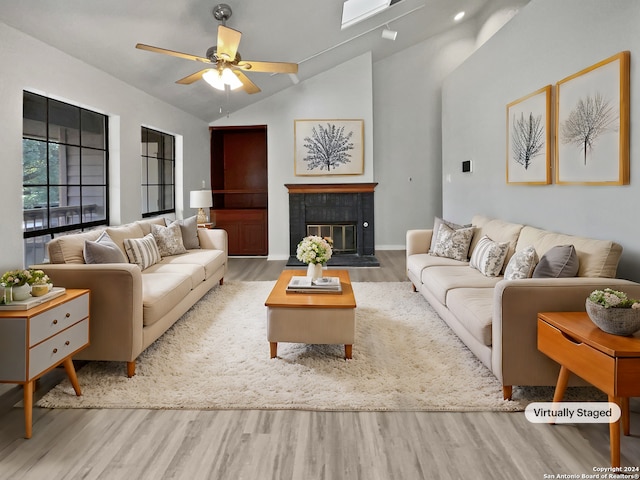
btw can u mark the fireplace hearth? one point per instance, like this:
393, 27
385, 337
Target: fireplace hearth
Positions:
344, 212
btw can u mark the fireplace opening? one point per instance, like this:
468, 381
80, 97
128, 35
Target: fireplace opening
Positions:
343, 236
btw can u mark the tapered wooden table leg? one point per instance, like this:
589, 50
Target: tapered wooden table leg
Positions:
71, 373
28, 408
614, 437
626, 421
273, 346
561, 385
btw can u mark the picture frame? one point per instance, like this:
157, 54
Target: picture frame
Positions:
592, 124
529, 139
328, 147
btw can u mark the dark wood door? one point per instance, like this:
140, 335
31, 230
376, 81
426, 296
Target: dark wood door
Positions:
239, 183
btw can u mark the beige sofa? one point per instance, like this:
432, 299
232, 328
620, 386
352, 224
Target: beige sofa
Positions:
497, 318
130, 308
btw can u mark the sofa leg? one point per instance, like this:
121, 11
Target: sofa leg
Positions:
413, 287
131, 369
221, 281
507, 390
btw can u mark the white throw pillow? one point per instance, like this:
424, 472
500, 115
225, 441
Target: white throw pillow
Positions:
522, 264
488, 256
142, 251
168, 239
453, 243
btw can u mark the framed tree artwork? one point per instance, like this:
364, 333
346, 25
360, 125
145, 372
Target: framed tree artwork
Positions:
529, 139
328, 147
592, 124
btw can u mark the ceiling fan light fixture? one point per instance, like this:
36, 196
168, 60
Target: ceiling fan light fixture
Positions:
218, 79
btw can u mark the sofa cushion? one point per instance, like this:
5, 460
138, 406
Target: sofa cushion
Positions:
189, 229
521, 264
453, 243
70, 248
560, 261
440, 280
498, 231
142, 251
488, 256
145, 224
161, 292
597, 258
195, 272
168, 239
473, 308
436, 228
103, 250
130, 230
209, 260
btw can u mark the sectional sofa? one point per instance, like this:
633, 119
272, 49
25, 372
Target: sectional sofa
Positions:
493, 308
143, 276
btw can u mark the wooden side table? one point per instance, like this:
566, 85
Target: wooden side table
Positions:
609, 362
35, 341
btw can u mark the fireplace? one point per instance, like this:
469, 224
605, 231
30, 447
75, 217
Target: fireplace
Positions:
343, 212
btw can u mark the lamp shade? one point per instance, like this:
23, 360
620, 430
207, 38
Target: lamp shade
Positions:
200, 199
218, 79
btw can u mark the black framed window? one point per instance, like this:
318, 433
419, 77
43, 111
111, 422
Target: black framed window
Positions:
65, 165
158, 172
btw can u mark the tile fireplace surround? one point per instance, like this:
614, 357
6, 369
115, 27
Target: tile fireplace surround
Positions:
334, 204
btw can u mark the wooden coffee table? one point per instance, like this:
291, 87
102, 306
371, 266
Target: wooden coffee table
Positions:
313, 318
609, 362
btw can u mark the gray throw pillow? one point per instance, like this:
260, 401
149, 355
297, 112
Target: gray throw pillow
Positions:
103, 250
189, 230
560, 261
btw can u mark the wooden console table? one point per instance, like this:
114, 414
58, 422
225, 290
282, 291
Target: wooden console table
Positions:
35, 341
609, 362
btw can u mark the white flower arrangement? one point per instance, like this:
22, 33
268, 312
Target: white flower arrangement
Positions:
314, 249
609, 298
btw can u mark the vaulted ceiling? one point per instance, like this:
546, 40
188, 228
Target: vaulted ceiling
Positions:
307, 32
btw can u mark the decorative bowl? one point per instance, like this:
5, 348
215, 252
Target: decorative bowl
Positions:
617, 321
39, 290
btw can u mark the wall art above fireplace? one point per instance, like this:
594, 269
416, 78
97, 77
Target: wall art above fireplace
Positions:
328, 147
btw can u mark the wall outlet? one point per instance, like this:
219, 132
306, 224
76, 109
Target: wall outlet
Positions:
466, 166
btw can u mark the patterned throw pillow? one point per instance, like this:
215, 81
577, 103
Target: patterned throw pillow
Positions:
488, 256
437, 221
103, 250
521, 264
168, 239
142, 251
453, 243
189, 229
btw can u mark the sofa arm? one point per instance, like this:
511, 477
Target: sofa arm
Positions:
515, 356
115, 322
215, 239
418, 241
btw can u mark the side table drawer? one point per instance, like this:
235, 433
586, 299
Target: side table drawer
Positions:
588, 363
54, 350
57, 319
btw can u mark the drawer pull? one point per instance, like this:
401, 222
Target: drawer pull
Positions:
572, 340
67, 315
55, 350
67, 343
55, 321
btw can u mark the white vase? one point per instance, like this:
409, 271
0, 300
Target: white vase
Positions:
314, 270
22, 292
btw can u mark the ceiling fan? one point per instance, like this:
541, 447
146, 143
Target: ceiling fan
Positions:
225, 66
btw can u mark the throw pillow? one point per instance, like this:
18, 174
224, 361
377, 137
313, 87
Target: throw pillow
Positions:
168, 239
488, 256
436, 228
142, 251
189, 229
453, 243
560, 261
521, 264
102, 250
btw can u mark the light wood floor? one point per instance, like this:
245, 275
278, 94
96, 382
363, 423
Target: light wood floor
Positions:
250, 444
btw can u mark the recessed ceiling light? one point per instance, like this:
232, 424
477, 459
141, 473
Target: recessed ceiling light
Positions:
458, 16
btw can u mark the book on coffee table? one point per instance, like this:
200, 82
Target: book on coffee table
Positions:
302, 284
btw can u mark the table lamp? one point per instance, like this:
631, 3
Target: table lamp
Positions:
200, 199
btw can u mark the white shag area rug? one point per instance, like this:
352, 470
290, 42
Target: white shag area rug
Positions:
217, 357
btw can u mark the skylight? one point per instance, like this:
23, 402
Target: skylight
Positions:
354, 11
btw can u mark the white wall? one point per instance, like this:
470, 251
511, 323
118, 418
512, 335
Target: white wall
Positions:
546, 42
29, 64
342, 92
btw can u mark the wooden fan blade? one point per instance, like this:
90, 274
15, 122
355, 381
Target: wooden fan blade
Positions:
194, 77
164, 51
270, 67
247, 84
228, 41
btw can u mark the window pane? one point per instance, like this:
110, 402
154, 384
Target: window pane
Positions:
64, 123
168, 172
64, 164
168, 147
153, 198
34, 162
93, 134
93, 167
35, 249
145, 201
154, 171
143, 171
35, 116
168, 197
93, 203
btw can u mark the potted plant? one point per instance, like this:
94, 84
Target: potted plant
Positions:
16, 284
39, 282
315, 251
613, 312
